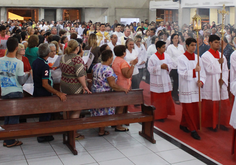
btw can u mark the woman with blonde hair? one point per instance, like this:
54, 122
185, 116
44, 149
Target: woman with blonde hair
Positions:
31, 31
73, 78
95, 49
20, 56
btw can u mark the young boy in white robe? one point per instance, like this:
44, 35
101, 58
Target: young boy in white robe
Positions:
159, 66
188, 69
211, 94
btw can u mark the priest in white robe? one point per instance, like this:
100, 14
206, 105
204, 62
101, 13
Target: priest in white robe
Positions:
189, 88
211, 94
159, 66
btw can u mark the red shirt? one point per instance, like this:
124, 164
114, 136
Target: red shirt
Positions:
27, 66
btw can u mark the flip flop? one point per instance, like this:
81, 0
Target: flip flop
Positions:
80, 137
104, 133
120, 130
17, 143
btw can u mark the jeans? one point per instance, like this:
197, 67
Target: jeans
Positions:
12, 119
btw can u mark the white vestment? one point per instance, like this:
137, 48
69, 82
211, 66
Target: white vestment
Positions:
159, 78
142, 55
132, 56
112, 49
232, 69
151, 50
118, 34
174, 53
211, 88
188, 88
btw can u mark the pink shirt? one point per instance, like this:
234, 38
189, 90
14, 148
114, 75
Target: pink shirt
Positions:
2, 51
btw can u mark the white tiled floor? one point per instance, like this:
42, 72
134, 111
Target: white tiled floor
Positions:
115, 149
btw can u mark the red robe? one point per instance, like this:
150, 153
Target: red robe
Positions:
164, 105
190, 116
234, 145
210, 113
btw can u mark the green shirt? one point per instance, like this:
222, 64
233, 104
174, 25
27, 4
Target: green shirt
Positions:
31, 54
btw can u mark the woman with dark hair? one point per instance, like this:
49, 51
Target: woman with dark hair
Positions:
31, 51
104, 80
175, 50
41, 39
124, 72
132, 54
64, 40
24, 37
228, 50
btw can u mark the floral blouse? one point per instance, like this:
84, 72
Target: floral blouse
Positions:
100, 75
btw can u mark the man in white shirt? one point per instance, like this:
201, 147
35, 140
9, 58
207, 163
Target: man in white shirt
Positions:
112, 44
123, 39
149, 40
72, 30
81, 29
161, 27
117, 32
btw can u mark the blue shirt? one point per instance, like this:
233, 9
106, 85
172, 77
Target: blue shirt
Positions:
10, 70
41, 71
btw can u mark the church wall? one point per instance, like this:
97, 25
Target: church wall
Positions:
95, 10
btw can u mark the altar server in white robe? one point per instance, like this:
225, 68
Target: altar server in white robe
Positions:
232, 73
211, 94
233, 91
159, 66
189, 88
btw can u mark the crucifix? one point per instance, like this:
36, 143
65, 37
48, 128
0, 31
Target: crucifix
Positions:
223, 12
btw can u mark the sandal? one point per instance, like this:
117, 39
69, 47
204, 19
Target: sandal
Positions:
4, 144
17, 143
122, 130
103, 133
80, 137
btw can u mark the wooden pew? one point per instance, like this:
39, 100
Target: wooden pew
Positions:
27, 106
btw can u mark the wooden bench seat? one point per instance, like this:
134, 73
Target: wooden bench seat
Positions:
26, 106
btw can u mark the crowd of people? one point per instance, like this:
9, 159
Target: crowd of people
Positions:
161, 55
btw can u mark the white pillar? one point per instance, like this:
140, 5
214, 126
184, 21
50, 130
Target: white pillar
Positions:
3, 14
111, 15
186, 17
152, 15
234, 16
59, 14
180, 15
41, 14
